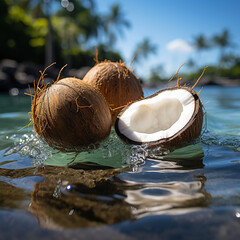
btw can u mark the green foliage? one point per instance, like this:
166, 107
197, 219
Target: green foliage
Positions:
31, 21
228, 64
156, 75
17, 43
233, 73
201, 42
144, 49
222, 40
104, 53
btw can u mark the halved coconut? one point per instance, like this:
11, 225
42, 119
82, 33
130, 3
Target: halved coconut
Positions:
169, 117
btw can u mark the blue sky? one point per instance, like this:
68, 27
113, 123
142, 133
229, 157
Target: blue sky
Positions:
172, 26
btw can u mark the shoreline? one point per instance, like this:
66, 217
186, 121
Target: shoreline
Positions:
17, 78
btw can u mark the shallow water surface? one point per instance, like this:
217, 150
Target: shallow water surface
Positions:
116, 191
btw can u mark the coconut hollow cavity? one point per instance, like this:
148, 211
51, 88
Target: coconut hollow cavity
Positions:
169, 117
70, 114
116, 83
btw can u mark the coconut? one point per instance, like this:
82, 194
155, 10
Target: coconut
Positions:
70, 115
168, 118
117, 84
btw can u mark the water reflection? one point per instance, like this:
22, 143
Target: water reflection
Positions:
70, 198
87, 194
157, 198
12, 197
188, 157
67, 198
166, 194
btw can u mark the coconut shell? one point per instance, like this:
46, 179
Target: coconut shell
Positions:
70, 115
116, 83
191, 131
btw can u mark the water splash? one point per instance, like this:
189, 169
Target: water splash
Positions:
137, 157
57, 190
30, 145
209, 138
111, 152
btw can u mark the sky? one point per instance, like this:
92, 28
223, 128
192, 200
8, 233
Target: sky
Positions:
172, 25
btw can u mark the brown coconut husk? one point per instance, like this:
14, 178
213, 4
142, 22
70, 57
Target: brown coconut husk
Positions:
116, 83
192, 129
70, 114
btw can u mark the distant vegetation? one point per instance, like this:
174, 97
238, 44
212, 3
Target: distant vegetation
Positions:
228, 65
65, 31
46, 31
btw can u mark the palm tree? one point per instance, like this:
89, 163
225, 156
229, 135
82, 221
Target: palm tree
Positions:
38, 9
70, 27
191, 64
201, 44
113, 24
144, 49
228, 60
156, 74
222, 41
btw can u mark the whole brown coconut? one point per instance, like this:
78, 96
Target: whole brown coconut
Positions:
70, 115
117, 84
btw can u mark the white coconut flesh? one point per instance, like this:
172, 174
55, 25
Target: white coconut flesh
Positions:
158, 117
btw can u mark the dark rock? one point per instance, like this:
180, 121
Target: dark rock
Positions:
22, 76
69, 198
30, 69
218, 81
5, 82
24, 79
79, 73
8, 66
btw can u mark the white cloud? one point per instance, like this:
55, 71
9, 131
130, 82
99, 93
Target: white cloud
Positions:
179, 45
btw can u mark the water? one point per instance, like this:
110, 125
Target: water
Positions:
118, 191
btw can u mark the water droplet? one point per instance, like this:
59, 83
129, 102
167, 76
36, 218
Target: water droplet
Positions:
24, 150
57, 191
71, 212
134, 168
64, 3
237, 214
64, 183
35, 152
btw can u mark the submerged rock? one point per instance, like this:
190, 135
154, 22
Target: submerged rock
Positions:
70, 198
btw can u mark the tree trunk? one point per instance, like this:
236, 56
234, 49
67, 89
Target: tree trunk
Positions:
49, 55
